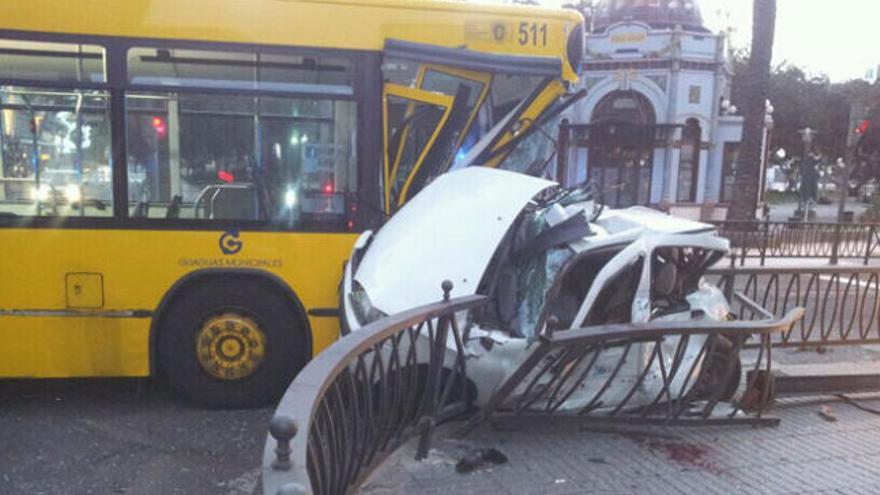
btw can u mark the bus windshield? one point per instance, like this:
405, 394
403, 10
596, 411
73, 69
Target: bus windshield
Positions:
530, 143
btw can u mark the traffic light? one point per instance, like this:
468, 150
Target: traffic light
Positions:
160, 127
225, 176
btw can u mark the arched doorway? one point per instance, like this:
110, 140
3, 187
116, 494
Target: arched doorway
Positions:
622, 139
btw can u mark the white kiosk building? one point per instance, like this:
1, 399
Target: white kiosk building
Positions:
656, 127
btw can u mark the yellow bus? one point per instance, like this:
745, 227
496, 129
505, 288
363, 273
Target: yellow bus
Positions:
181, 180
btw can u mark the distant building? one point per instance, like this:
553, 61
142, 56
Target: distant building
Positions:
656, 127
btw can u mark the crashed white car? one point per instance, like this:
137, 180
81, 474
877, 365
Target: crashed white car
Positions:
545, 256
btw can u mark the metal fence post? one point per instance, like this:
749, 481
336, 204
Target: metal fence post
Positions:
765, 241
728, 284
562, 154
835, 246
869, 246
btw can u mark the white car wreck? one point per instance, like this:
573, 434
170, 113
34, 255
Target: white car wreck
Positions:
549, 259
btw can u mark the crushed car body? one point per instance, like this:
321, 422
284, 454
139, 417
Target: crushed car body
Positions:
551, 259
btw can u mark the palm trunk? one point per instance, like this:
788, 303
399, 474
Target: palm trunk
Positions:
756, 90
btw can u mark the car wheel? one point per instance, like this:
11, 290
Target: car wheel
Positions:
712, 376
231, 345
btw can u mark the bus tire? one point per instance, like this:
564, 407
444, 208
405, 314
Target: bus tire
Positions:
231, 344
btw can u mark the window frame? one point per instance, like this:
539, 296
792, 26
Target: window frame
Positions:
366, 94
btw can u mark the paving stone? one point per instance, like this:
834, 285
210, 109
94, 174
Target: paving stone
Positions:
805, 454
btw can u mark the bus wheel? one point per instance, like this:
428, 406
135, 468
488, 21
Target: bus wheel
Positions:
231, 344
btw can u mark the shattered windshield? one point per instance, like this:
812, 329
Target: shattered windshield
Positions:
536, 152
523, 142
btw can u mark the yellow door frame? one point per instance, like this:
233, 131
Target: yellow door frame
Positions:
414, 96
483, 78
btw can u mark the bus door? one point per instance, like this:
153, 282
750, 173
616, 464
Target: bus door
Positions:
472, 89
414, 120
426, 125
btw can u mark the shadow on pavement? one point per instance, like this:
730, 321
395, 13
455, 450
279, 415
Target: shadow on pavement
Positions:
122, 436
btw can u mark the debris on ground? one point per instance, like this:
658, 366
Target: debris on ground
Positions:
827, 414
479, 458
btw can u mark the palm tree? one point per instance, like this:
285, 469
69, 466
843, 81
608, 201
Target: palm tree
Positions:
755, 91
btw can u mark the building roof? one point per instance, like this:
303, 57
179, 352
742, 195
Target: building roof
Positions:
659, 14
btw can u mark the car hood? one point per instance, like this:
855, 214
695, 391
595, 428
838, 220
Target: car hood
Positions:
449, 231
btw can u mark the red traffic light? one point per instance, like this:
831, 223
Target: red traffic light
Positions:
159, 125
225, 176
327, 188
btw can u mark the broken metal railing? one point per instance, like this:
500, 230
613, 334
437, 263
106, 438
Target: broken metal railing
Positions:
664, 382
842, 303
364, 395
802, 240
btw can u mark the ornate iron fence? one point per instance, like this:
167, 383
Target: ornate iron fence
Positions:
667, 380
842, 304
398, 377
802, 240
359, 399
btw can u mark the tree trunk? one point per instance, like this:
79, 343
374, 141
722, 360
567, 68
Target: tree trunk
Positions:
757, 86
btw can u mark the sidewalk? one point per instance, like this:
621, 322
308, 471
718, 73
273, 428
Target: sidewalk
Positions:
805, 454
781, 212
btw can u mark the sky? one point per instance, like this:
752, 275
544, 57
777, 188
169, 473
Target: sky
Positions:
836, 38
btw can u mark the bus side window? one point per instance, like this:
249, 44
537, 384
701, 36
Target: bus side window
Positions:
250, 153
55, 140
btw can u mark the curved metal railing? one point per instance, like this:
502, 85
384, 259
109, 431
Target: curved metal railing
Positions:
398, 377
644, 373
842, 303
360, 398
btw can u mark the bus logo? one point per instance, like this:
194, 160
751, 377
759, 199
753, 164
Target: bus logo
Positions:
499, 31
229, 243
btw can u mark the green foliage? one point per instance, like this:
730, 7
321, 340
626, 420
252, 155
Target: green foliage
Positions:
804, 100
799, 101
